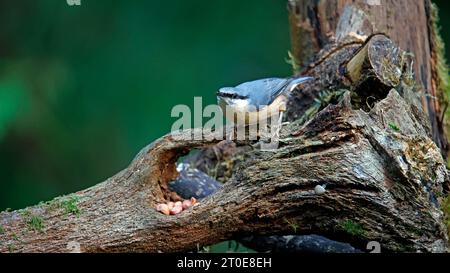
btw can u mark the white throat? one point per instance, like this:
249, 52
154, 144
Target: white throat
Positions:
241, 105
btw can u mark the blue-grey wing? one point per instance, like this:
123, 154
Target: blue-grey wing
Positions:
264, 91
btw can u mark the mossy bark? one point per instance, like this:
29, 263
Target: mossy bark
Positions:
315, 25
372, 145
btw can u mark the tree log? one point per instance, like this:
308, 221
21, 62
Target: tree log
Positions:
315, 25
384, 175
382, 185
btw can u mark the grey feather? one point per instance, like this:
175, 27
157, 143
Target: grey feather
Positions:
262, 92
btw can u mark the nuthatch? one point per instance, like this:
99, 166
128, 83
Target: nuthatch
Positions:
253, 99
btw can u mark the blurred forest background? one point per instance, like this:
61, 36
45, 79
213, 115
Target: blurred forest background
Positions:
84, 88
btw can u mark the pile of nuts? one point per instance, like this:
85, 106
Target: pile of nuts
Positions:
173, 208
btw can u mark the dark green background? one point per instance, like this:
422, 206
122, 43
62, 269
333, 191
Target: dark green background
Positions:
83, 89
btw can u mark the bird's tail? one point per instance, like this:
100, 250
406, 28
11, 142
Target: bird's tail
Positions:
298, 81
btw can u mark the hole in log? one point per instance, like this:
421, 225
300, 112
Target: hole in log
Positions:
201, 172
368, 93
169, 172
374, 70
179, 182
198, 173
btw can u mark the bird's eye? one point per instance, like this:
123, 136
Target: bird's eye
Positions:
231, 95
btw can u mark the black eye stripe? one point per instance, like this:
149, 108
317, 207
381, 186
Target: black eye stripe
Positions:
231, 96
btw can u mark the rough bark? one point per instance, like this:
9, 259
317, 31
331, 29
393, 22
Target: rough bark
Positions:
315, 25
374, 176
197, 178
367, 138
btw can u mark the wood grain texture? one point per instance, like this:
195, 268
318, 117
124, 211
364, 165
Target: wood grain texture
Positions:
314, 25
382, 178
384, 175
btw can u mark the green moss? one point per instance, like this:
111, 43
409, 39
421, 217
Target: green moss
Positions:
203, 249
36, 223
6, 210
70, 205
394, 127
10, 248
52, 204
322, 99
14, 236
352, 228
293, 62
47, 204
446, 210
441, 62
293, 225
442, 69
25, 213
213, 172
2, 230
